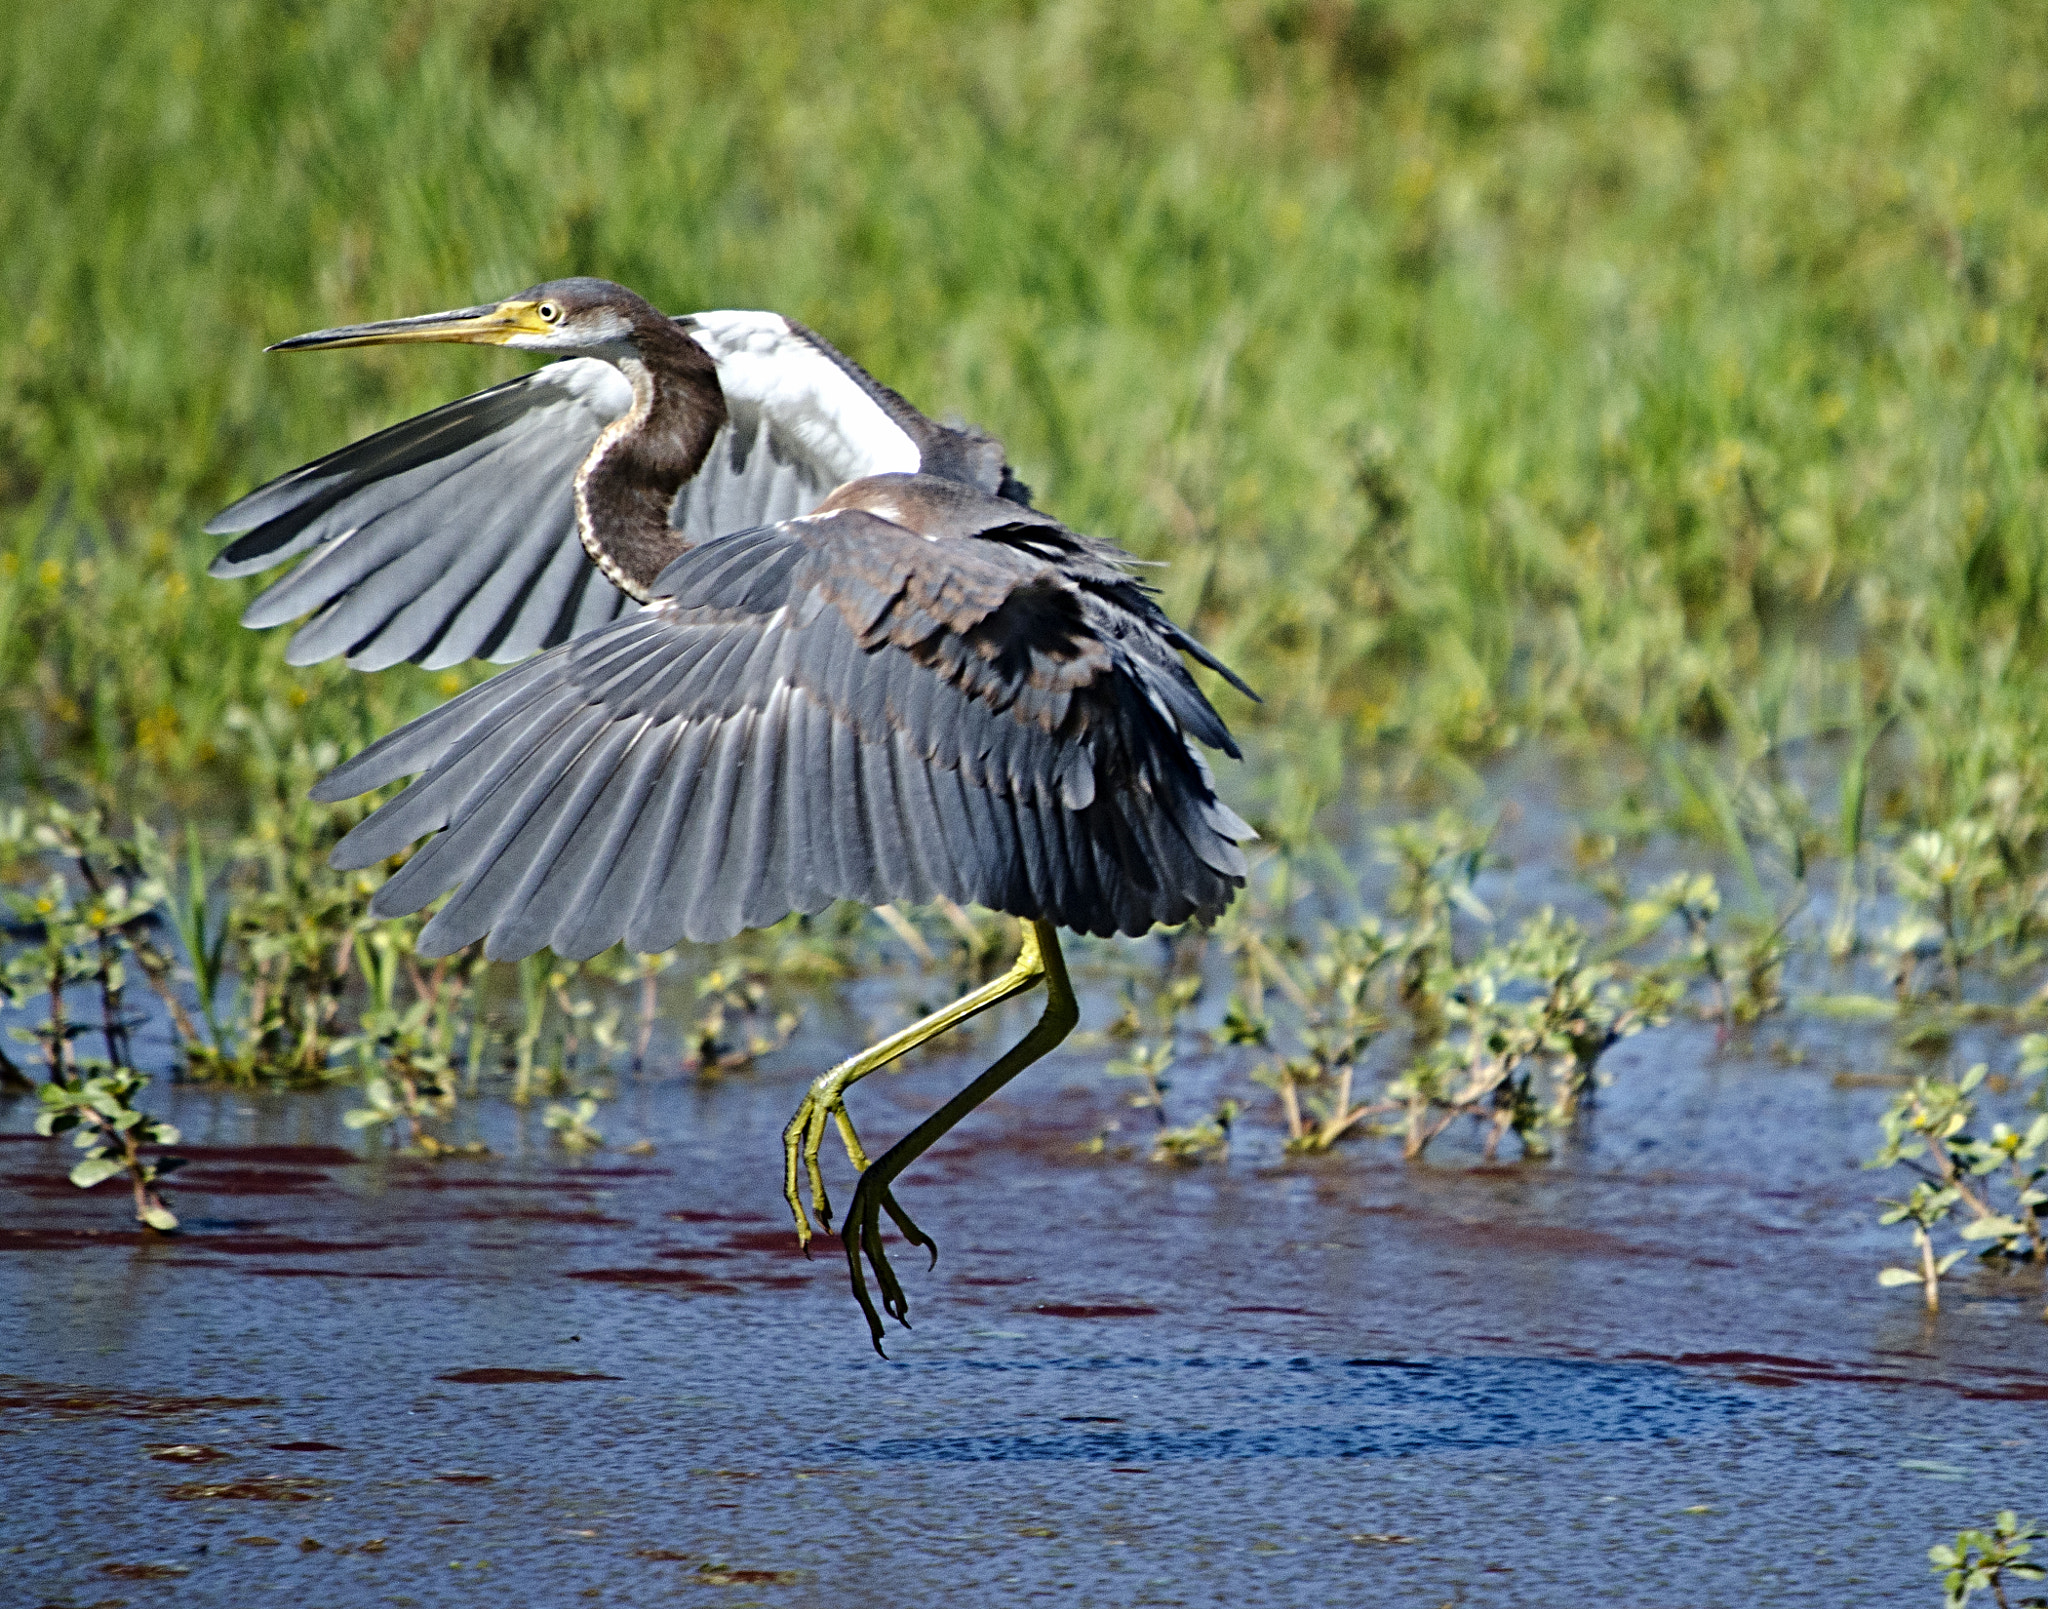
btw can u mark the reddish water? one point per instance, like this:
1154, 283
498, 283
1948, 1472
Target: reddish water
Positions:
1655, 1371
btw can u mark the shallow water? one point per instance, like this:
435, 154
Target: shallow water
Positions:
1656, 1370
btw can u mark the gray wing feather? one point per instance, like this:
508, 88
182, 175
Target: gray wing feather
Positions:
656, 919
512, 785
565, 848
442, 538
883, 817
756, 853
598, 902
703, 838
737, 751
513, 819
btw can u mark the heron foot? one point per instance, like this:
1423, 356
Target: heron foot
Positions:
862, 1237
825, 1101
862, 1232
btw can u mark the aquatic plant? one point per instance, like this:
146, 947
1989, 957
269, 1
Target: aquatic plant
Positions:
1510, 1035
83, 921
1526, 1024
81, 931
1985, 1560
404, 1038
1339, 1020
98, 1111
1153, 1030
574, 1125
1146, 1066
1152, 1024
1435, 865
286, 980
1995, 1182
738, 1024
1206, 1139
1950, 878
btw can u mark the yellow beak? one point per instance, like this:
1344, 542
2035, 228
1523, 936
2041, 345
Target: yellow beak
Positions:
485, 326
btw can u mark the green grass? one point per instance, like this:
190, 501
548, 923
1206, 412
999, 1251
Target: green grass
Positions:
1604, 368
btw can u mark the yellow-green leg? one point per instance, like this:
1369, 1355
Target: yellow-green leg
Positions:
863, 1231
826, 1100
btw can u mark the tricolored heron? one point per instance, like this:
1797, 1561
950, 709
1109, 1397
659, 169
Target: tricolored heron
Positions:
802, 645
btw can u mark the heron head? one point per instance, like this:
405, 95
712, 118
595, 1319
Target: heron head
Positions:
559, 315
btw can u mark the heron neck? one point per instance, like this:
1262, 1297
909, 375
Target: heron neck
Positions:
629, 482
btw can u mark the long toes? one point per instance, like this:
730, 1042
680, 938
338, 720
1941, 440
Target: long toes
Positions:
796, 1211
792, 1170
851, 1239
916, 1236
790, 1195
863, 1237
821, 1202
894, 1302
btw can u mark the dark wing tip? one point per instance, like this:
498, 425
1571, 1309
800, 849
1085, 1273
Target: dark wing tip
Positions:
1204, 657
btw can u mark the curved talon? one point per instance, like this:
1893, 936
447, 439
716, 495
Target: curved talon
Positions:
894, 1302
860, 1240
908, 1227
862, 1237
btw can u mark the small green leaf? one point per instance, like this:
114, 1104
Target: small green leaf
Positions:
362, 1117
96, 1170
161, 1219
1897, 1276
1854, 1007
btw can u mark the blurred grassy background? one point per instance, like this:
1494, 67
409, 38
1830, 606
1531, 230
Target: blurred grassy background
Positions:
1593, 367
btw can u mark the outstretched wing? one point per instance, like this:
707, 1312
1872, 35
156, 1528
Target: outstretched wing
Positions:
833, 708
447, 537
452, 536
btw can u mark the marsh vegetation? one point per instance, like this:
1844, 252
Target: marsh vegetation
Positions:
1660, 389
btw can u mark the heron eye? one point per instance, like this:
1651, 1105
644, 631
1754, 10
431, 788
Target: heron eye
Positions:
549, 312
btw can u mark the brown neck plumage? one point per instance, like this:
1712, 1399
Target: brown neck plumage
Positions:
628, 483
